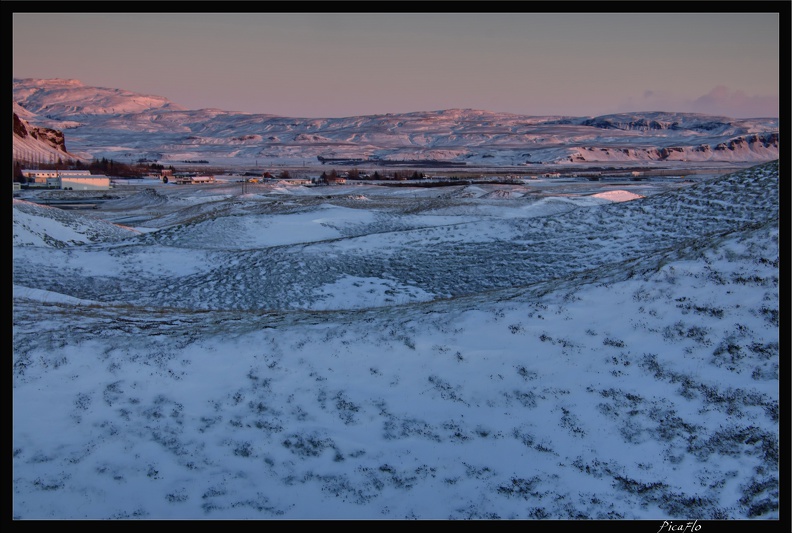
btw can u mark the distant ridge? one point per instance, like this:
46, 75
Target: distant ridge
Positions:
128, 127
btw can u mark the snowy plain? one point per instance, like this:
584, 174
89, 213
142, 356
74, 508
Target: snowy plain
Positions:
363, 352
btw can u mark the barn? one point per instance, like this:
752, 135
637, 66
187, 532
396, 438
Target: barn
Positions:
93, 182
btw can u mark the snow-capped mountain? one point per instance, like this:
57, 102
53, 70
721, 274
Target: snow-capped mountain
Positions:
59, 97
128, 127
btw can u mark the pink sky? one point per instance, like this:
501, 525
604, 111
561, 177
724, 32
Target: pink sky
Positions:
345, 64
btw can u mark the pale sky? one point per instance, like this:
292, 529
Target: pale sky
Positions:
327, 65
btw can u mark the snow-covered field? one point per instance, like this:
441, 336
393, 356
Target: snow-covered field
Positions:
366, 352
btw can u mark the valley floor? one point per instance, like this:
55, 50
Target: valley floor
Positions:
487, 352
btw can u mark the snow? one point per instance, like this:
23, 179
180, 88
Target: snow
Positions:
354, 292
125, 127
47, 296
421, 354
617, 196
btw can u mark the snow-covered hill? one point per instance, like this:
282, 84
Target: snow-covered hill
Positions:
59, 97
363, 352
128, 127
35, 225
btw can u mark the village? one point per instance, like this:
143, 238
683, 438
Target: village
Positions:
85, 180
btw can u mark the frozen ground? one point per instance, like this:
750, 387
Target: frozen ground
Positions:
468, 352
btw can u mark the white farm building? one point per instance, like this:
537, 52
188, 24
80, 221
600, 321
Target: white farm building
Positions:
72, 180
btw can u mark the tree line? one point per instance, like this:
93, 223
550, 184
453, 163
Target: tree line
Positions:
356, 174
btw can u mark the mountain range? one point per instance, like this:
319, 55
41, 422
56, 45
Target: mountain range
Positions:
129, 127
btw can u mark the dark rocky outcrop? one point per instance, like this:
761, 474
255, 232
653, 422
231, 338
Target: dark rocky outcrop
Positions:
53, 138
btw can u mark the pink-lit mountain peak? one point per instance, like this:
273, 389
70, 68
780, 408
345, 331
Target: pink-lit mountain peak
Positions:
123, 125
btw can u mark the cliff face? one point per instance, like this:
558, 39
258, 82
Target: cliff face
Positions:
53, 138
20, 129
35, 143
742, 148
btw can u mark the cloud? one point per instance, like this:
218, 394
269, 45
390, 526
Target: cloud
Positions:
719, 101
736, 103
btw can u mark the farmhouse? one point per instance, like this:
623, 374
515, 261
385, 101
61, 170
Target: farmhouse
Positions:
40, 176
296, 181
68, 180
187, 178
283, 181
